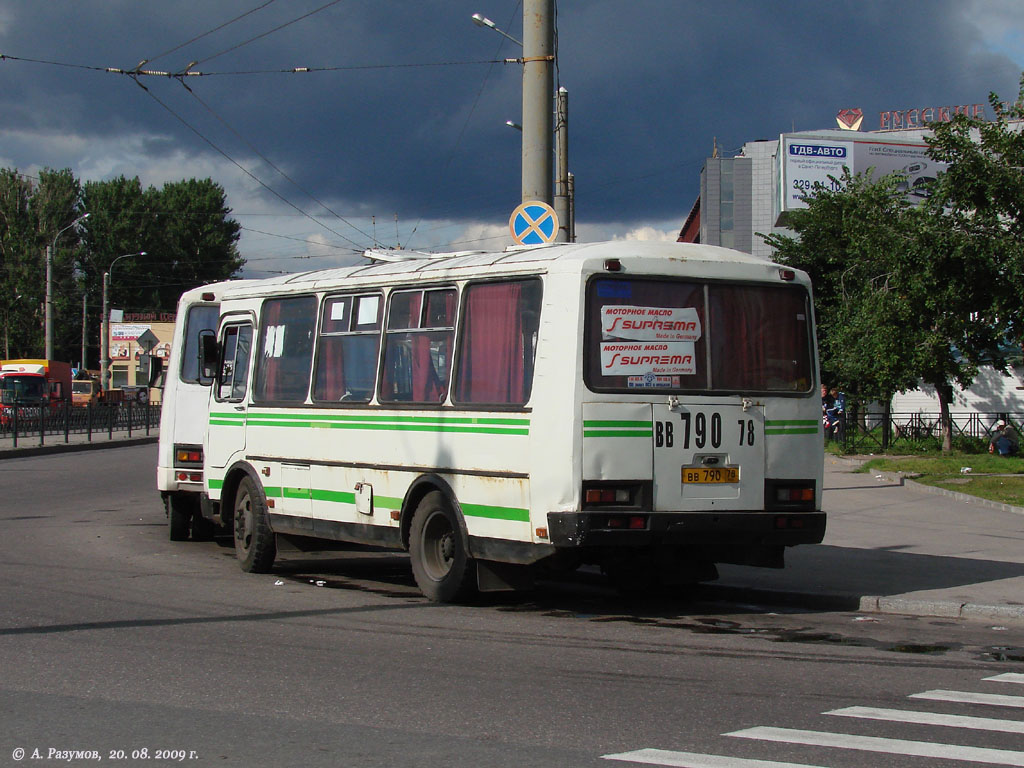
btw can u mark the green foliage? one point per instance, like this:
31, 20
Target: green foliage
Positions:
185, 229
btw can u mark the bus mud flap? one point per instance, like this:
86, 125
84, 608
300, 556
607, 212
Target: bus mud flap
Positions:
492, 576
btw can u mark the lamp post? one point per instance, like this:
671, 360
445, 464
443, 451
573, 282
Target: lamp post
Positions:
105, 324
48, 321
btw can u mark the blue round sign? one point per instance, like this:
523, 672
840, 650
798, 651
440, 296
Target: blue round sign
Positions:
533, 223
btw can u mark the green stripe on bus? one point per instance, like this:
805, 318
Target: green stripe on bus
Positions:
618, 432
387, 502
338, 497
467, 429
615, 423
496, 513
215, 485
442, 419
791, 426
290, 492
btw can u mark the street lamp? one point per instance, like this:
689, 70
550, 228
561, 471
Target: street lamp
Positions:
48, 321
105, 325
482, 21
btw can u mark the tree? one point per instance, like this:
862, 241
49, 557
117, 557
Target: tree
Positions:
982, 192
902, 293
15, 250
31, 216
184, 228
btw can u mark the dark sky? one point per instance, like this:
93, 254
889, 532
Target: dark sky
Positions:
409, 124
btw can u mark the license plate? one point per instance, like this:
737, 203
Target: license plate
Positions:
711, 474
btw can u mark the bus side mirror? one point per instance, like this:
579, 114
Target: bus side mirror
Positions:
209, 357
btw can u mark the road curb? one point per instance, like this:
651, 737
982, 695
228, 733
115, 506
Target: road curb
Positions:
42, 450
941, 609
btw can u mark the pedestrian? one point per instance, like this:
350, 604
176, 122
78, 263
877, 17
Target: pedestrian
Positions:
1005, 440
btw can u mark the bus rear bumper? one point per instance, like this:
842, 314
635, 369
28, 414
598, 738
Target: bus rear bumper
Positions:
715, 530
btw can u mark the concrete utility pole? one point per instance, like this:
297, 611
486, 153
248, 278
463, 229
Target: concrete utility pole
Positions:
538, 97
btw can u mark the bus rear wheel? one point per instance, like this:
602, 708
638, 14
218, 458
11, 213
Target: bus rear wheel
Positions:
179, 517
255, 545
444, 571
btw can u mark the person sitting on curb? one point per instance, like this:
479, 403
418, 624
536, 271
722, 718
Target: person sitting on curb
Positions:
1004, 440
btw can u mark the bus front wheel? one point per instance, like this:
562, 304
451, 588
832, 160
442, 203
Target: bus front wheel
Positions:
444, 571
255, 544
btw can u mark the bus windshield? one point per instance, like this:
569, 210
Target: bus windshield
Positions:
688, 336
22, 389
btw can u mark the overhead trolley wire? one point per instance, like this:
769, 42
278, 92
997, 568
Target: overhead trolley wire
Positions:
238, 165
211, 31
264, 158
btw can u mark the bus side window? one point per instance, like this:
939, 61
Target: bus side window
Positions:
234, 366
418, 346
201, 320
498, 342
346, 355
285, 357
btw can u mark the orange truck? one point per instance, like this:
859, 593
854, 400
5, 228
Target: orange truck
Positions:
30, 382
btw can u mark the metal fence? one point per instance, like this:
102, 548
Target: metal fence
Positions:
873, 431
40, 424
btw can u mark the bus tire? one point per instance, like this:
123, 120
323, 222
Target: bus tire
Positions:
444, 571
255, 545
179, 518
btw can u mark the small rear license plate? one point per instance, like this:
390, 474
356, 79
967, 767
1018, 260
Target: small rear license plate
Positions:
711, 474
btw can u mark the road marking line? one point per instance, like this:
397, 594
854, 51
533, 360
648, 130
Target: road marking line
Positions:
1008, 677
967, 697
931, 718
694, 760
888, 746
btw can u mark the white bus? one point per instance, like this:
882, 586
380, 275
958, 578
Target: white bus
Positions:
651, 408
184, 413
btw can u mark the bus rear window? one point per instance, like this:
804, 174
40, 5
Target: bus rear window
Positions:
687, 336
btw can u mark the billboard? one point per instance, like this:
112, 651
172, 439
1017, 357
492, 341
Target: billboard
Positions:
808, 160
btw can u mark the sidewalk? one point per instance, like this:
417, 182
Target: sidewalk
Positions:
28, 445
894, 546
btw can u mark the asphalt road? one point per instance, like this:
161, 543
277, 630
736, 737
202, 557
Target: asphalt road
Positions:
118, 642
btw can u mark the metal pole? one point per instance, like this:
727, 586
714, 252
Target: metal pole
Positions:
538, 97
48, 354
562, 178
85, 338
105, 336
572, 208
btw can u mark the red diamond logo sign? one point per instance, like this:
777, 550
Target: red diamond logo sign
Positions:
850, 119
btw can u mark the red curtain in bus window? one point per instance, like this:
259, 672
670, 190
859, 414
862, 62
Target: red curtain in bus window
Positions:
431, 352
739, 319
270, 367
330, 369
491, 365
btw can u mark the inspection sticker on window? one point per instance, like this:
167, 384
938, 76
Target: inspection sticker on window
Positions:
642, 358
650, 323
652, 381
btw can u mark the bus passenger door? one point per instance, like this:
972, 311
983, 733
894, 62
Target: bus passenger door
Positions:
225, 438
709, 456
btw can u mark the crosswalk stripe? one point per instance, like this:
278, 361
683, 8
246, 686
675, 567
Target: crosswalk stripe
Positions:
694, 760
1008, 677
889, 746
931, 718
969, 697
